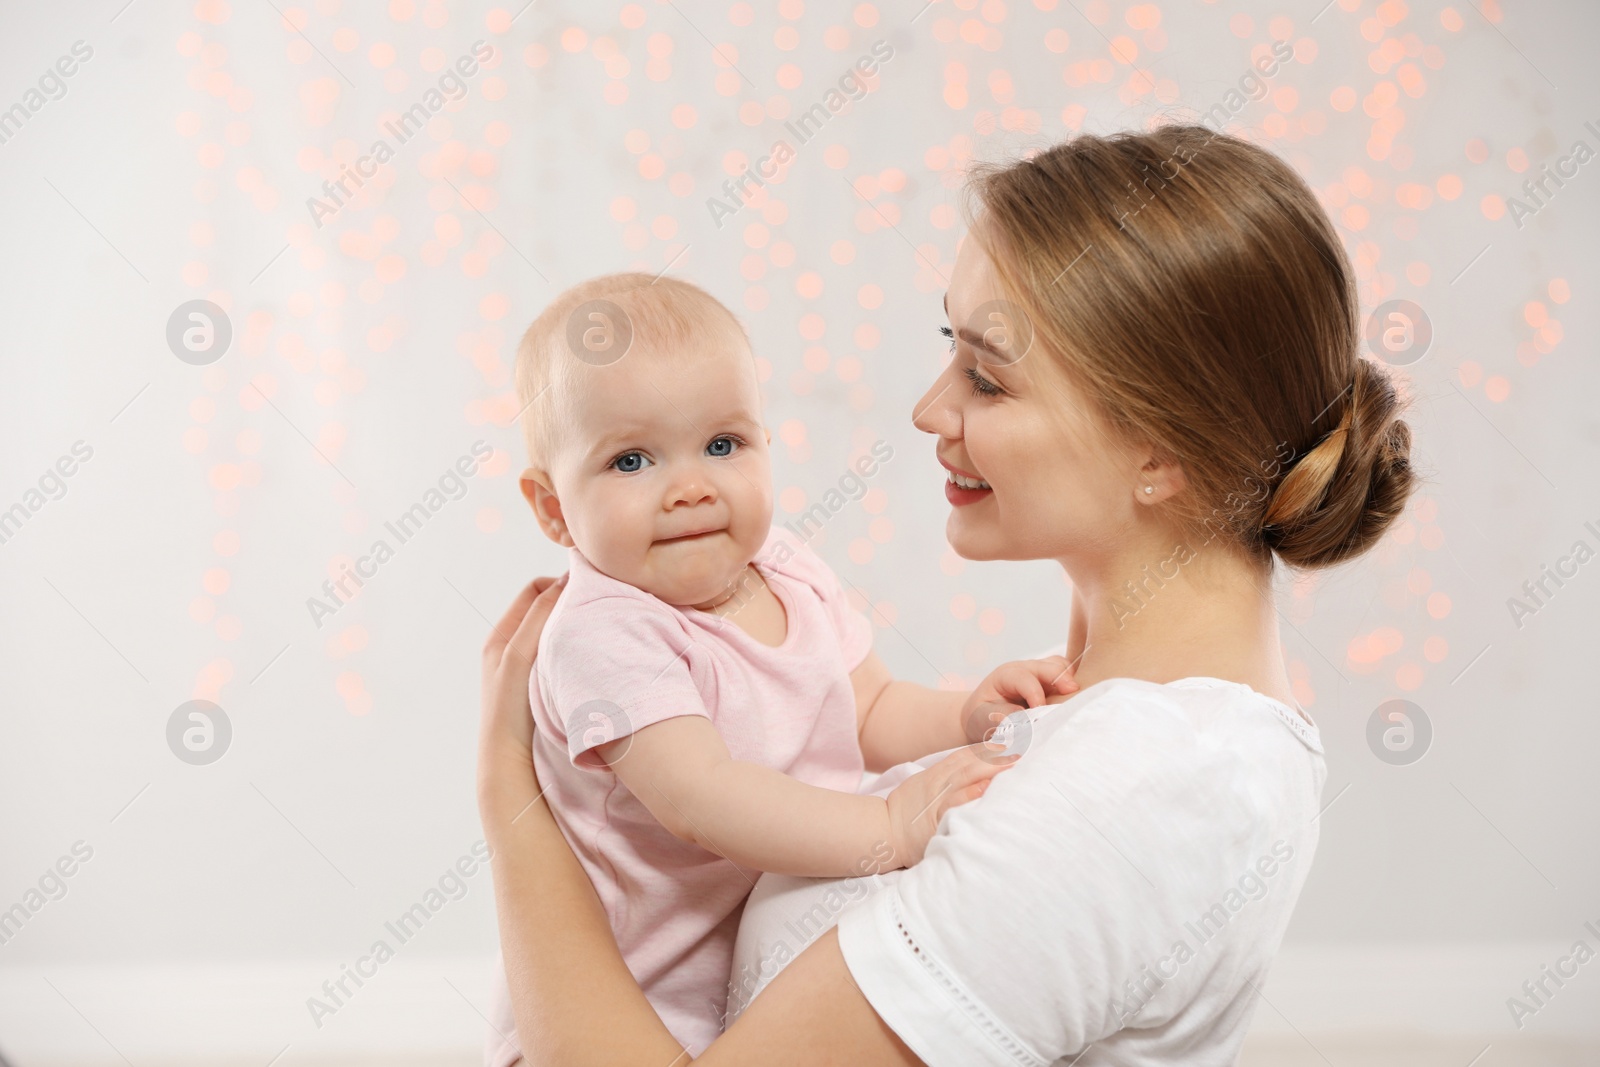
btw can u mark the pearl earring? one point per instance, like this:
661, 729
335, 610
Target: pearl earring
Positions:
1149, 489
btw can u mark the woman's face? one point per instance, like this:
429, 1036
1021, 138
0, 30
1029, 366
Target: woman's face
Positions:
1043, 480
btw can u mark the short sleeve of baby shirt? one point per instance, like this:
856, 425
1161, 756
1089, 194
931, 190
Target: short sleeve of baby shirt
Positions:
792, 557
614, 665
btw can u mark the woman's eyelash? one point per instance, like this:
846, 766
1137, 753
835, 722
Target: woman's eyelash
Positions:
981, 385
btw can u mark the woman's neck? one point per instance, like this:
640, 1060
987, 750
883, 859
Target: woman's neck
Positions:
1176, 614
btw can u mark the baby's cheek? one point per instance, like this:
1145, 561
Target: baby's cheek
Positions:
751, 495
620, 539
757, 526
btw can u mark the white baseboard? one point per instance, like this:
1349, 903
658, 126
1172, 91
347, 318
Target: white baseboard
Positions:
421, 1010
414, 1010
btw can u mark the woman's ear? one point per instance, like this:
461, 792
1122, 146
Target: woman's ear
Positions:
1160, 478
541, 497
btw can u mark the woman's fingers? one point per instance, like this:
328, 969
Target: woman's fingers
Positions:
520, 626
499, 634
525, 642
507, 718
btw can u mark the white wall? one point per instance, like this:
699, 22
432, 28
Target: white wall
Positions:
177, 166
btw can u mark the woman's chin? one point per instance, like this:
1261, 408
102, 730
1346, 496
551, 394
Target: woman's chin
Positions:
971, 540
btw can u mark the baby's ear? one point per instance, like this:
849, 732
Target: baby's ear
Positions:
541, 497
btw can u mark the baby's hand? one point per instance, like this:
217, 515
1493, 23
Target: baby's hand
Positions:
917, 804
1021, 683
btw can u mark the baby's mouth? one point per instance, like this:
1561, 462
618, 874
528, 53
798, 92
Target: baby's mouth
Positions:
695, 535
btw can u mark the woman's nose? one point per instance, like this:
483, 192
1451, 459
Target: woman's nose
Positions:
936, 412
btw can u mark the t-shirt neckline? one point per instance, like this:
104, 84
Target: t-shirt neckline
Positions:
785, 600
720, 623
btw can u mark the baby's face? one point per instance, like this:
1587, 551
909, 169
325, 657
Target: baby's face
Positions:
664, 477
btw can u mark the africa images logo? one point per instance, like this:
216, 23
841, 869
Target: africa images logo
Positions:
852, 85
452, 86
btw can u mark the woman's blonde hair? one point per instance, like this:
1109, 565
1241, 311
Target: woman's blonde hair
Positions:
1191, 286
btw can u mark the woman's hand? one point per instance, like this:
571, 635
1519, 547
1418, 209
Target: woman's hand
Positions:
558, 944
507, 783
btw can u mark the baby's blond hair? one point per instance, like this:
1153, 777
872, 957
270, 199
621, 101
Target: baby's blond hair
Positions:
598, 322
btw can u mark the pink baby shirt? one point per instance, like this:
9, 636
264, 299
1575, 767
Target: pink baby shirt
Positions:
613, 659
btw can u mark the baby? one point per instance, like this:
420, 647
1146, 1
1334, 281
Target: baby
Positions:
705, 697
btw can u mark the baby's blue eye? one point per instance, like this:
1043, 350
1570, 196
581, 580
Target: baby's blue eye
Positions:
722, 446
629, 462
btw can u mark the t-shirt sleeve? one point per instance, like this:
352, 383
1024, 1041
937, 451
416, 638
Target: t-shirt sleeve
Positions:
854, 630
1049, 913
612, 666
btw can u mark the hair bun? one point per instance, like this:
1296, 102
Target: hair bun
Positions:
1340, 496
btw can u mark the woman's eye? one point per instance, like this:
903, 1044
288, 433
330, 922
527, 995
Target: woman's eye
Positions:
722, 446
981, 385
629, 462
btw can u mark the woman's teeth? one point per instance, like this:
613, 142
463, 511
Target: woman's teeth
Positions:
967, 483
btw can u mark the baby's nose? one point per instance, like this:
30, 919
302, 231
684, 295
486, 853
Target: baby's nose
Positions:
693, 491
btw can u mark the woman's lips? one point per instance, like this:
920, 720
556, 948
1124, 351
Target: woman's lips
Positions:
961, 497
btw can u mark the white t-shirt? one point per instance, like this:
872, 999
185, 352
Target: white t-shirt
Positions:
1122, 889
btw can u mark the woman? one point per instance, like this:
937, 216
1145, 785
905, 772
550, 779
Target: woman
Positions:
1155, 382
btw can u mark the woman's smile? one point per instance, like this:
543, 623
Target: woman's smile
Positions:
961, 488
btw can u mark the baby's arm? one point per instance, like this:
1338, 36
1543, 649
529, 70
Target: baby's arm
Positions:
681, 770
900, 721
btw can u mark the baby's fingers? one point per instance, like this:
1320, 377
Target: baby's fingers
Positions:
980, 761
971, 775
982, 720
967, 794
1018, 683
1057, 673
